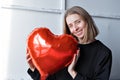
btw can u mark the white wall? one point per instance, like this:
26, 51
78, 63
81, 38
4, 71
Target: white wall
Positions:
22, 23
15, 26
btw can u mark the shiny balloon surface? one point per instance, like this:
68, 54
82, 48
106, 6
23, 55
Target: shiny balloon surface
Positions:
50, 52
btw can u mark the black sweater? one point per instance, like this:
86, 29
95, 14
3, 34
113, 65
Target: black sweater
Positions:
94, 63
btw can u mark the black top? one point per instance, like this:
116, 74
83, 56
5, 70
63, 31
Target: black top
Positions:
94, 63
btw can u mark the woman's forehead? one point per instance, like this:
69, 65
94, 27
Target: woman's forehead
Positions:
73, 17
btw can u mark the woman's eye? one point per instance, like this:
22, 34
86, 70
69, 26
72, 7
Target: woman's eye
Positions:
78, 21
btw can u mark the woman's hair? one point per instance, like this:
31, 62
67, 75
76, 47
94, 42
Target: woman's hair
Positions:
91, 31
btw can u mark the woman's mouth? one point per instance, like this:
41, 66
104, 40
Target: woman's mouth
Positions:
78, 33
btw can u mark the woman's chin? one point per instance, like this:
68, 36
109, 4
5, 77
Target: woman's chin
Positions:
79, 36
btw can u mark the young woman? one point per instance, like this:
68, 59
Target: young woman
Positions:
95, 59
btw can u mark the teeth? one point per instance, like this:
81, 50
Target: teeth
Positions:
79, 32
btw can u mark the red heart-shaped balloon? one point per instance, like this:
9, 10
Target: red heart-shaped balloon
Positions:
50, 52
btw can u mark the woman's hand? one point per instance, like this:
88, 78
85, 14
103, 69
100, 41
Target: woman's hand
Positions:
29, 60
71, 67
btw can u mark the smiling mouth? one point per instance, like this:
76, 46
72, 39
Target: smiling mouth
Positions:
79, 32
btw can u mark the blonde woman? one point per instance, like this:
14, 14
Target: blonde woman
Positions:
95, 59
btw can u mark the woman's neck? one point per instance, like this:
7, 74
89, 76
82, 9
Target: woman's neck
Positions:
86, 42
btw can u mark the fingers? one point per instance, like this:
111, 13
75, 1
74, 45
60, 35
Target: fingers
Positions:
28, 51
29, 59
77, 54
74, 60
72, 65
28, 55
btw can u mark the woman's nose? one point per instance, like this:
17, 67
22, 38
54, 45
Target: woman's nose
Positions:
75, 27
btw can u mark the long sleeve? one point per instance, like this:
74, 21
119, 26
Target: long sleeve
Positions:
102, 69
34, 75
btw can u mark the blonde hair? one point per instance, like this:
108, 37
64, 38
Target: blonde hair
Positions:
91, 31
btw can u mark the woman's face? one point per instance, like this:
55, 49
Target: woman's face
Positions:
76, 25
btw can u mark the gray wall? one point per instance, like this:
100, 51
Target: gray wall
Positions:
106, 14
